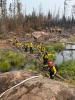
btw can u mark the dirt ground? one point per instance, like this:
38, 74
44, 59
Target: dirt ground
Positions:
35, 89
4, 44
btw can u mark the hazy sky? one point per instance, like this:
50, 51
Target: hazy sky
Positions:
46, 5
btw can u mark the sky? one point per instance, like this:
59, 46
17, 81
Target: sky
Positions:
46, 5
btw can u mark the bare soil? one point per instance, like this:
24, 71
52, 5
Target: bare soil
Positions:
36, 89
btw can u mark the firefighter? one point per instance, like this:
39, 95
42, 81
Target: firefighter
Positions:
26, 47
45, 58
52, 69
31, 47
39, 47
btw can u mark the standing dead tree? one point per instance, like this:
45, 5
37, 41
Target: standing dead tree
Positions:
3, 8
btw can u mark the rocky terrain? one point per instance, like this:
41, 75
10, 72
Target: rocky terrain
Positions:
40, 88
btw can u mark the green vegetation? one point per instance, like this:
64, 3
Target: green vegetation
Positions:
31, 67
54, 47
11, 60
67, 70
49, 48
58, 47
4, 66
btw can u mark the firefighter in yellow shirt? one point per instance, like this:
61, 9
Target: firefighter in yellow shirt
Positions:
15, 41
31, 47
45, 58
39, 47
42, 49
52, 69
26, 47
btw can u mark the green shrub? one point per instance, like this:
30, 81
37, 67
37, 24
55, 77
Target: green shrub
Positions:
4, 66
16, 60
49, 48
67, 69
31, 67
58, 47
11, 60
54, 47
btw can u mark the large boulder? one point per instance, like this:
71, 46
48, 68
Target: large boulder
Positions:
38, 34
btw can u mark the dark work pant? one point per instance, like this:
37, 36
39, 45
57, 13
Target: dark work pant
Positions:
31, 50
26, 49
51, 74
45, 62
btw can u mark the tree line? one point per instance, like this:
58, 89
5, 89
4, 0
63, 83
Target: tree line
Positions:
15, 20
